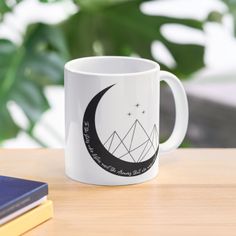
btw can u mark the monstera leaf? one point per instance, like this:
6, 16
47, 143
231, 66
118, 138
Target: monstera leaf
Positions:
25, 70
111, 27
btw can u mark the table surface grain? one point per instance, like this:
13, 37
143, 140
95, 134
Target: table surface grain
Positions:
194, 194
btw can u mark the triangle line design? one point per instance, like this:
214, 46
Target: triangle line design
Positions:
134, 149
147, 150
108, 138
132, 136
143, 151
146, 133
145, 145
124, 136
150, 140
111, 141
121, 141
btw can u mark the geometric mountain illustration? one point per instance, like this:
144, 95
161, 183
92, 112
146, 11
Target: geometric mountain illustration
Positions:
135, 146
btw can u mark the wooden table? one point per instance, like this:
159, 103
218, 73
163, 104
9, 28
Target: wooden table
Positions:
194, 194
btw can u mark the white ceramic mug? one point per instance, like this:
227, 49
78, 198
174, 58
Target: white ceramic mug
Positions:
112, 119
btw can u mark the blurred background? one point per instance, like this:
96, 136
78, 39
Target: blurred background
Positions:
193, 39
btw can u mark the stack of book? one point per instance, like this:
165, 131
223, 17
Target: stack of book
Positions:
23, 205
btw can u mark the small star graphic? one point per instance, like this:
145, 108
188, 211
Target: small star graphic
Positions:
143, 112
137, 105
129, 114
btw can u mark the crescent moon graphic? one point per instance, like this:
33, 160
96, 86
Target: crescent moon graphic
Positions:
100, 154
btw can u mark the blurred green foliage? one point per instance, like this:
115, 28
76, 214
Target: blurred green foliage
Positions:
101, 27
232, 10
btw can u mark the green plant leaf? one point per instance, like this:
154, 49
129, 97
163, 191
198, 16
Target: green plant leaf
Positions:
26, 70
91, 5
8, 128
7, 6
232, 10
122, 29
4, 7
49, 1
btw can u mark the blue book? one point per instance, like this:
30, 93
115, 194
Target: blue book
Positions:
16, 194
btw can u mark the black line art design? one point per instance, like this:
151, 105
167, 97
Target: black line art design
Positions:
132, 155
127, 147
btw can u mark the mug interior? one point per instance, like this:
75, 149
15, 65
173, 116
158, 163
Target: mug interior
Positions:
111, 65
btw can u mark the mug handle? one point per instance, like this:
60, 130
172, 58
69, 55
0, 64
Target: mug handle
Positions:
181, 110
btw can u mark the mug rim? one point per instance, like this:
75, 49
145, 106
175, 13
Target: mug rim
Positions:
155, 66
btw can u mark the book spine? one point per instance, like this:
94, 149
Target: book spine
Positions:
27, 221
25, 200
